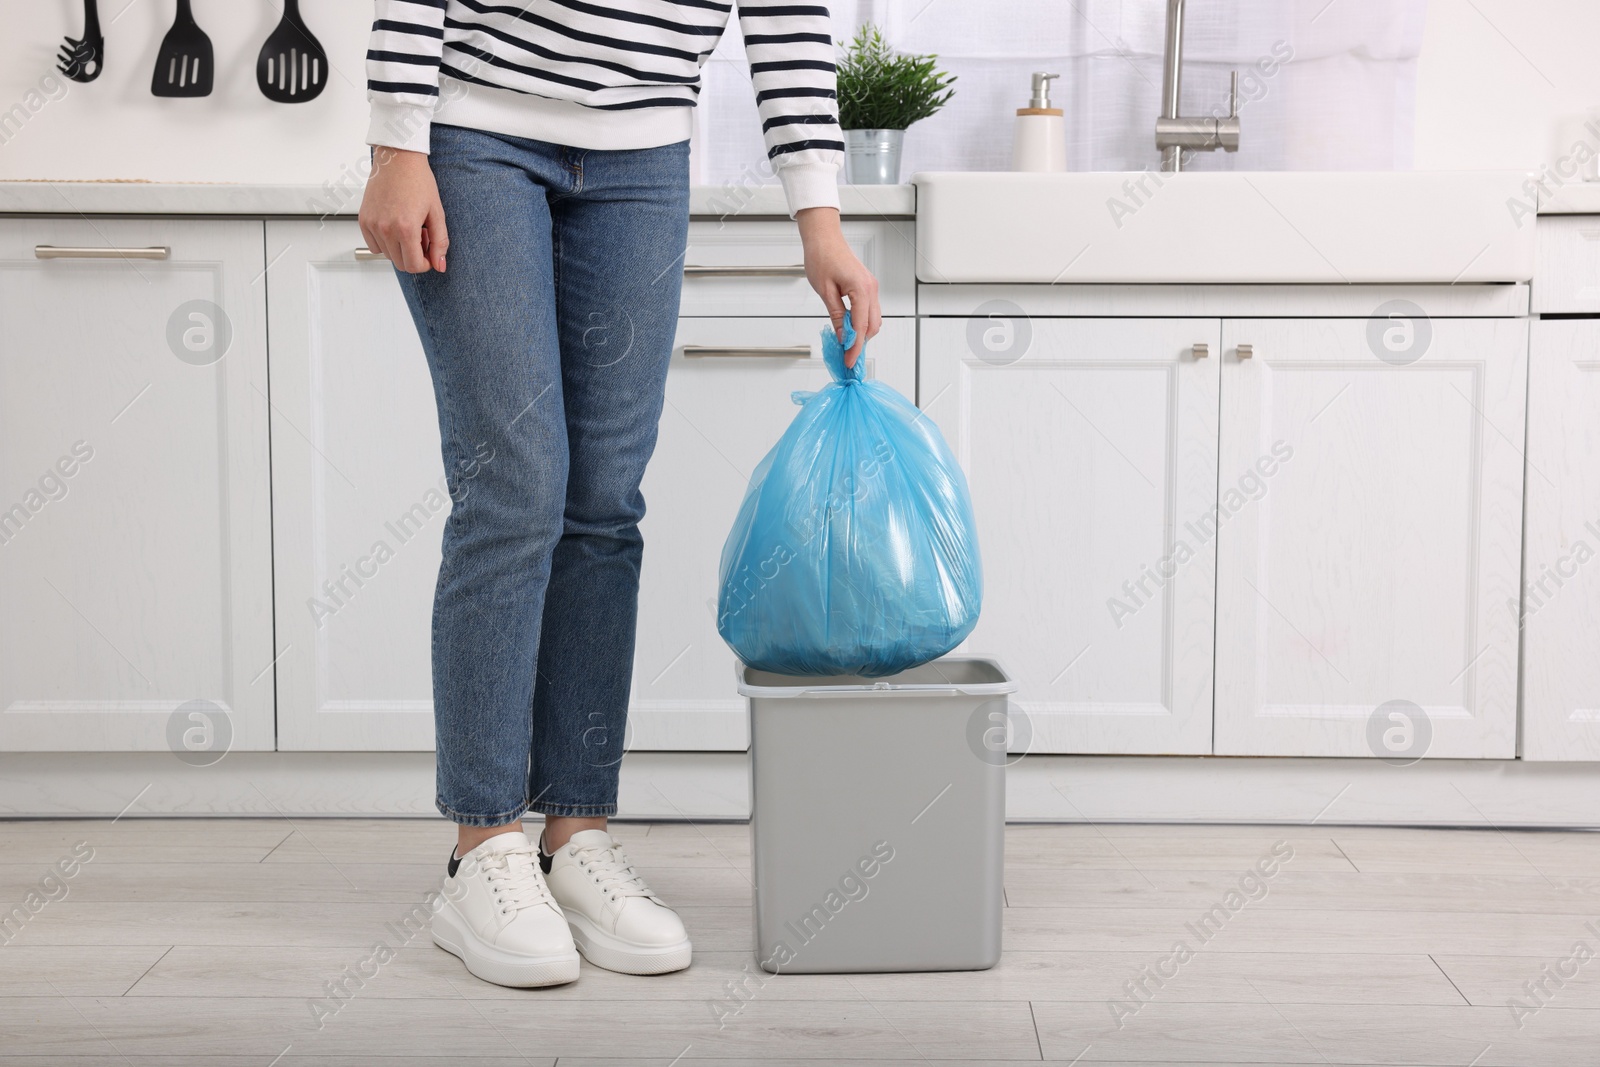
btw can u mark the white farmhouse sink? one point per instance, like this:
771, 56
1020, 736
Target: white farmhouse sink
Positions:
1304, 227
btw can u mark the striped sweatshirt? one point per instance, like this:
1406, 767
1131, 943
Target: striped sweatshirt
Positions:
604, 74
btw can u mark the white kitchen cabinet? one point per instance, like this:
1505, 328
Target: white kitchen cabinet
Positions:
359, 496
135, 558
1561, 578
356, 465
723, 413
1375, 563
1090, 449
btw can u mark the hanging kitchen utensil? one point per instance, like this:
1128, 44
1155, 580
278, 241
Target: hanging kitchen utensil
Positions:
183, 66
82, 57
292, 67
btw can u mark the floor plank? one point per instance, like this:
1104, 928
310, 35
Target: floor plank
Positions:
75, 971
310, 925
1569, 979
1261, 928
1201, 849
1303, 1033
1022, 974
237, 882
540, 1027
1485, 852
193, 971
1346, 890
45, 852
335, 883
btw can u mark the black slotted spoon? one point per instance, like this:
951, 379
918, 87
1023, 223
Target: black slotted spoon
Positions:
292, 67
183, 66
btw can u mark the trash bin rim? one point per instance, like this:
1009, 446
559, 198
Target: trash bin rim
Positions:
818, 687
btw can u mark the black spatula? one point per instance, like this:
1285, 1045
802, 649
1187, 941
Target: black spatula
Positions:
292, 67
183, 66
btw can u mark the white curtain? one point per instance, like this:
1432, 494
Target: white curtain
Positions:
1324, 84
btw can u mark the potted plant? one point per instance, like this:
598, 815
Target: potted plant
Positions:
881, 92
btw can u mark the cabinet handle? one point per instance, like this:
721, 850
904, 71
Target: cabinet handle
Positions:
60, 252
792, 270
1201, 350
366, 254
775, 352
1245, 351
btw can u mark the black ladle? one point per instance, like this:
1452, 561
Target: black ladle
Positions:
292, 67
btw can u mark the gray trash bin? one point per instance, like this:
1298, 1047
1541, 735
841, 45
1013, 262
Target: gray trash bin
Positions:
878, 818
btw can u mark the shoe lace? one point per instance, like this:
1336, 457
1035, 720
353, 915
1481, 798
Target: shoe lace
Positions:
613, 872
515, 879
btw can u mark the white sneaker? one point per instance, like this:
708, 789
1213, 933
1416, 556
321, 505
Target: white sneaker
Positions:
498, 916
617, 922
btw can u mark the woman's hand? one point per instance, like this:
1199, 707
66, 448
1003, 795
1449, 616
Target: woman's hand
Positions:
837, 276
401, 215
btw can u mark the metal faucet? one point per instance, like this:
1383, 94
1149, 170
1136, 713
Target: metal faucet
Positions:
1174, 133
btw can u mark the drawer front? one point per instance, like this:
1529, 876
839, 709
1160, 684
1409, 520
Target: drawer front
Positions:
1567, 276
755, 267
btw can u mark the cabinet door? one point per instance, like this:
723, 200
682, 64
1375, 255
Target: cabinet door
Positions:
1561, 581
359, 497
1362, 584
723, 414
134, 501
1090, 448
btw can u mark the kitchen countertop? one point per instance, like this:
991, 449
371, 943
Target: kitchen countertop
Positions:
172, 198
164, 198
1574, 198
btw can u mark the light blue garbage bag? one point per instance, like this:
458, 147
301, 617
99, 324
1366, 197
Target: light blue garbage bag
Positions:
854, 551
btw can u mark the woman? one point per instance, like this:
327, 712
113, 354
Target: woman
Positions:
551, 138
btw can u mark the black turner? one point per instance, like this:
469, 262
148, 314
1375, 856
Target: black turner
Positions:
183, 66
292, 67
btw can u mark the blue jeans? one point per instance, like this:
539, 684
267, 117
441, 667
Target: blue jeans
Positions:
548, 338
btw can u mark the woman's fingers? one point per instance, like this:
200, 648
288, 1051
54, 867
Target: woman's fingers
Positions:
865, 315
836, 309
438, 236
401, 214
834, 302
370, 237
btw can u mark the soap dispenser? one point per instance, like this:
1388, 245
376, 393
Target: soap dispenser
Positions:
1040, 141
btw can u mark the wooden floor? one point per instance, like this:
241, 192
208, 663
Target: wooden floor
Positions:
209, 942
